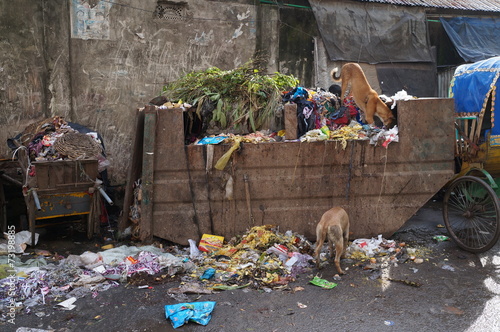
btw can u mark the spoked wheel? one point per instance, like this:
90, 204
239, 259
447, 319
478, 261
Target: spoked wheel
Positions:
471, 212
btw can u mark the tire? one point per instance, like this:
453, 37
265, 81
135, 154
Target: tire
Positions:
471, 213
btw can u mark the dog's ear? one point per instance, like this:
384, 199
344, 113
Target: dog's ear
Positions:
392, 122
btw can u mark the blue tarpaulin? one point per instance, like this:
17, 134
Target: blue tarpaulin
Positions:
471, 87
475, 39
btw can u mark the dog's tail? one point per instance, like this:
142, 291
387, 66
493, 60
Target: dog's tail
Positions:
334, 73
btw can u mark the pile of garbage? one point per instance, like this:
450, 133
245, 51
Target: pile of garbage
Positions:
263, 258
56, 139
321, 117
36, 281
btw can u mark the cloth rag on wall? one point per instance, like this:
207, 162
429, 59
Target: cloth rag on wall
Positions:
372, 33
475, 39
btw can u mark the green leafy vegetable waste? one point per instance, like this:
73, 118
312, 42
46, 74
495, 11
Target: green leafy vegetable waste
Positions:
242, 99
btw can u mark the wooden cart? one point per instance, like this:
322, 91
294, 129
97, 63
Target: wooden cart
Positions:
63, 188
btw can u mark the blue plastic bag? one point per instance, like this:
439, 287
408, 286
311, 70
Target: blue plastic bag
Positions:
208, 274
181, 313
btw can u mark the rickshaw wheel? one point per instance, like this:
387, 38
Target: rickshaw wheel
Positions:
471, 212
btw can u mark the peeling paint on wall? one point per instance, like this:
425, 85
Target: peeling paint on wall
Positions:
90, 22
238, 32
243, 16
204, 39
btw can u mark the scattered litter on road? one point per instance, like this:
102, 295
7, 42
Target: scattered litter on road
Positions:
453, 310
191, 287
372, 246
68, 304
448, 267
210, 242
21, 240
406, 282
322, 283
181, 313
208, 274
441, 238
263, 258
229, 287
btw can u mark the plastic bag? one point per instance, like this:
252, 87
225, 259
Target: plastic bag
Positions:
90, 258
322, 283
22, 240
372, 246
193, 249
208, 274
181, 313
222, 162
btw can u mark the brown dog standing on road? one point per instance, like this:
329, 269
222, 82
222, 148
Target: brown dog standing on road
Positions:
354, 82
334, 224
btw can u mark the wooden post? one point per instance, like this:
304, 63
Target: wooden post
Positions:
291, 125
134, 171
148, 158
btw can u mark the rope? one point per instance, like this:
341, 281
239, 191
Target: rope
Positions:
29, 163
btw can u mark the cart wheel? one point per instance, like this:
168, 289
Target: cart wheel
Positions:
471, 212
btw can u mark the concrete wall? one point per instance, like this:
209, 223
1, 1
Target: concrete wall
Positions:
96, 62
22, 66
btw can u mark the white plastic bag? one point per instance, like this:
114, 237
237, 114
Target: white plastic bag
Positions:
193, 249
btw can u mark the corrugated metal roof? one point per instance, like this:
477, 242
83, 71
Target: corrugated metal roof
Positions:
477, 5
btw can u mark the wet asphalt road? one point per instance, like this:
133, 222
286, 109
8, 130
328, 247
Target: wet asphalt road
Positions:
459, 291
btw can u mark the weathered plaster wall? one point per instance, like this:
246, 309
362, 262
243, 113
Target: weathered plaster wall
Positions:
112, 78
22, 66
95, 63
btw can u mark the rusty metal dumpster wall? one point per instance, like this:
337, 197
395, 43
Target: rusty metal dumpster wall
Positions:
291, 184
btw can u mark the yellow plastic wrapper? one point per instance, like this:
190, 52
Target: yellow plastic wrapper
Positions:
222, 162
325, 130
358, 255
345, 133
